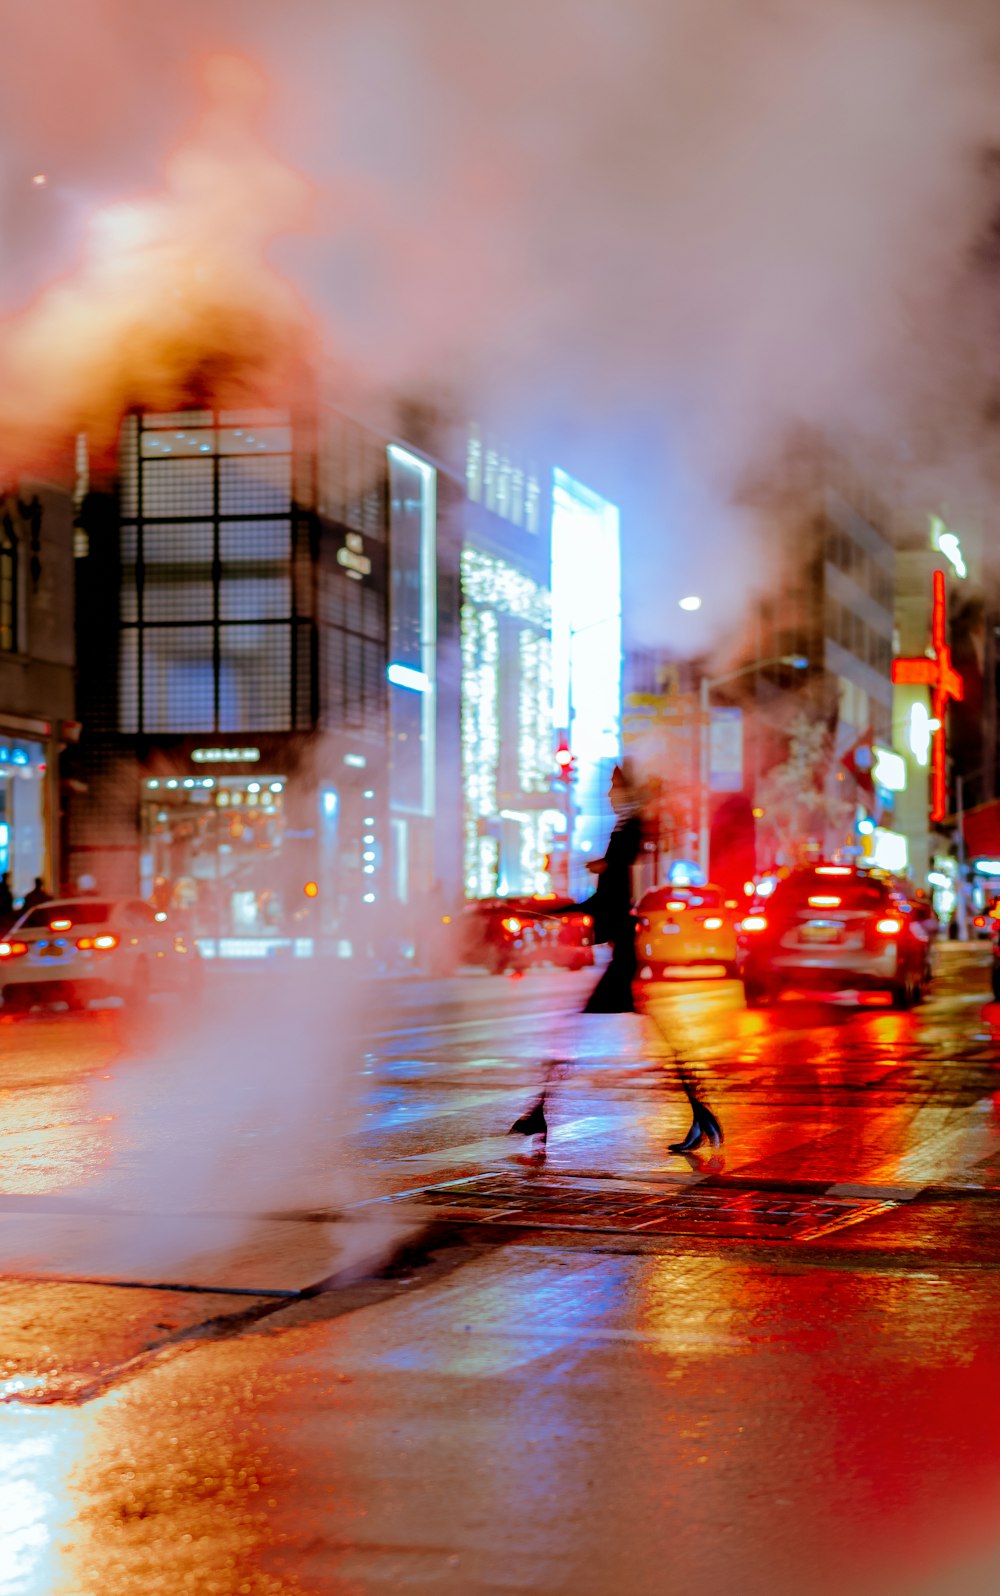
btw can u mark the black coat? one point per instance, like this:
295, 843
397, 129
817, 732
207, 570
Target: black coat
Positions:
611, 908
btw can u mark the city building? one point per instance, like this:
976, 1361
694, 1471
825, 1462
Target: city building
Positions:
37, 707
820, 644
541, 671
259, 633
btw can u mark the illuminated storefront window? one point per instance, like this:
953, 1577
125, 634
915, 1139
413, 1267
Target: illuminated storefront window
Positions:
586, 641
496, 480
22, 812
507, 742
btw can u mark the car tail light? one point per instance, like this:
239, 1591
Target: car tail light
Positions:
889, 927
824, 901
833, 870
12, 950
713, 923
755, 922
512, 925
60, 925
980, 920
675, 905
587, 919
104, 943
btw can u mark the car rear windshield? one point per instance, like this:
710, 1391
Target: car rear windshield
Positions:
76, 913
691, 897
838, 892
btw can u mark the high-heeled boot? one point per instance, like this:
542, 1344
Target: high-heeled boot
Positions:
533, 1123
704, 1127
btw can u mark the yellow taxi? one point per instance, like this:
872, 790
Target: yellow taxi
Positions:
686, 925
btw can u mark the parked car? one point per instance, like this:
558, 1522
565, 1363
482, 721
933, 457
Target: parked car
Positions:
832, 928
513, 933
558, 937
73, 949
995, 967
492, 933
685, 926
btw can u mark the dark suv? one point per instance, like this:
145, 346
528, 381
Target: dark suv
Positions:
834, 928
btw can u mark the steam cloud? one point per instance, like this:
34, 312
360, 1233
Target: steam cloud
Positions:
650, 237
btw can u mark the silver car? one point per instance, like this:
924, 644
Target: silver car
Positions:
831, 927
73, 949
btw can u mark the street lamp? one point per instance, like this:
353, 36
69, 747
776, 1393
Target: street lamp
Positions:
797, 662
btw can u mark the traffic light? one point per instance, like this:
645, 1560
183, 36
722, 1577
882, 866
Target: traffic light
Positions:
565, 764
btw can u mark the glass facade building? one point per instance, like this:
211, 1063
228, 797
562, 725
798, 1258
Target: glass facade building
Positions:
245, 748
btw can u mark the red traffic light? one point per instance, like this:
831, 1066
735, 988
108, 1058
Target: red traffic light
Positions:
565, 764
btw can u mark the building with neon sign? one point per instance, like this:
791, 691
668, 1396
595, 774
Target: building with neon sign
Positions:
259, 640
541, 664
511, 817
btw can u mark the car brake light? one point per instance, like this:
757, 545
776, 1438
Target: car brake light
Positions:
512, 925
888, 927
833, 870
587, 919
60, 925
713, 923
822, 901
675, 905
980, 920
12, 950
755, 922
105, 942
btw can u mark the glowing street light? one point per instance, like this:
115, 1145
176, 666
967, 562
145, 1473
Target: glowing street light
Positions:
691, 602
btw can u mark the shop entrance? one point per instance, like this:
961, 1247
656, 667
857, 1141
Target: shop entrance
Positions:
219, 857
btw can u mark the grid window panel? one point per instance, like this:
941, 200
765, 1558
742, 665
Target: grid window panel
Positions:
304, 676
182, 444
178, 487
187, 545
255, 440
253, 418
177, 582
128, 598
250, 485
177, 418
178, 689
254, 678
255, 540
128, 681
128, 470
174, 594
255, 597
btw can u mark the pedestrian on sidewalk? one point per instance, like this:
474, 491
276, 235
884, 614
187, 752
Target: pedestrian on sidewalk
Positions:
610, 907
6, 902
37, 895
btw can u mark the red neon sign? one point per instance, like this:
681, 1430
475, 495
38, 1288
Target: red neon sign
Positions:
935, 670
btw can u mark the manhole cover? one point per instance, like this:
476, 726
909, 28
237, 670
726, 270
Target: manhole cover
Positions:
640, 1210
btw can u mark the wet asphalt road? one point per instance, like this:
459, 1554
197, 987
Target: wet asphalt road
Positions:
284, 1310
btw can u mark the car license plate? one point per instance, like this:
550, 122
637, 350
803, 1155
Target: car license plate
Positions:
820, 931
669, 928
50, 950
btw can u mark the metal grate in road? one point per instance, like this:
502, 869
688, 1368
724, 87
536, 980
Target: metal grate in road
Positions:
547, 1204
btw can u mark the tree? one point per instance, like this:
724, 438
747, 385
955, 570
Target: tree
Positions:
801, 800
